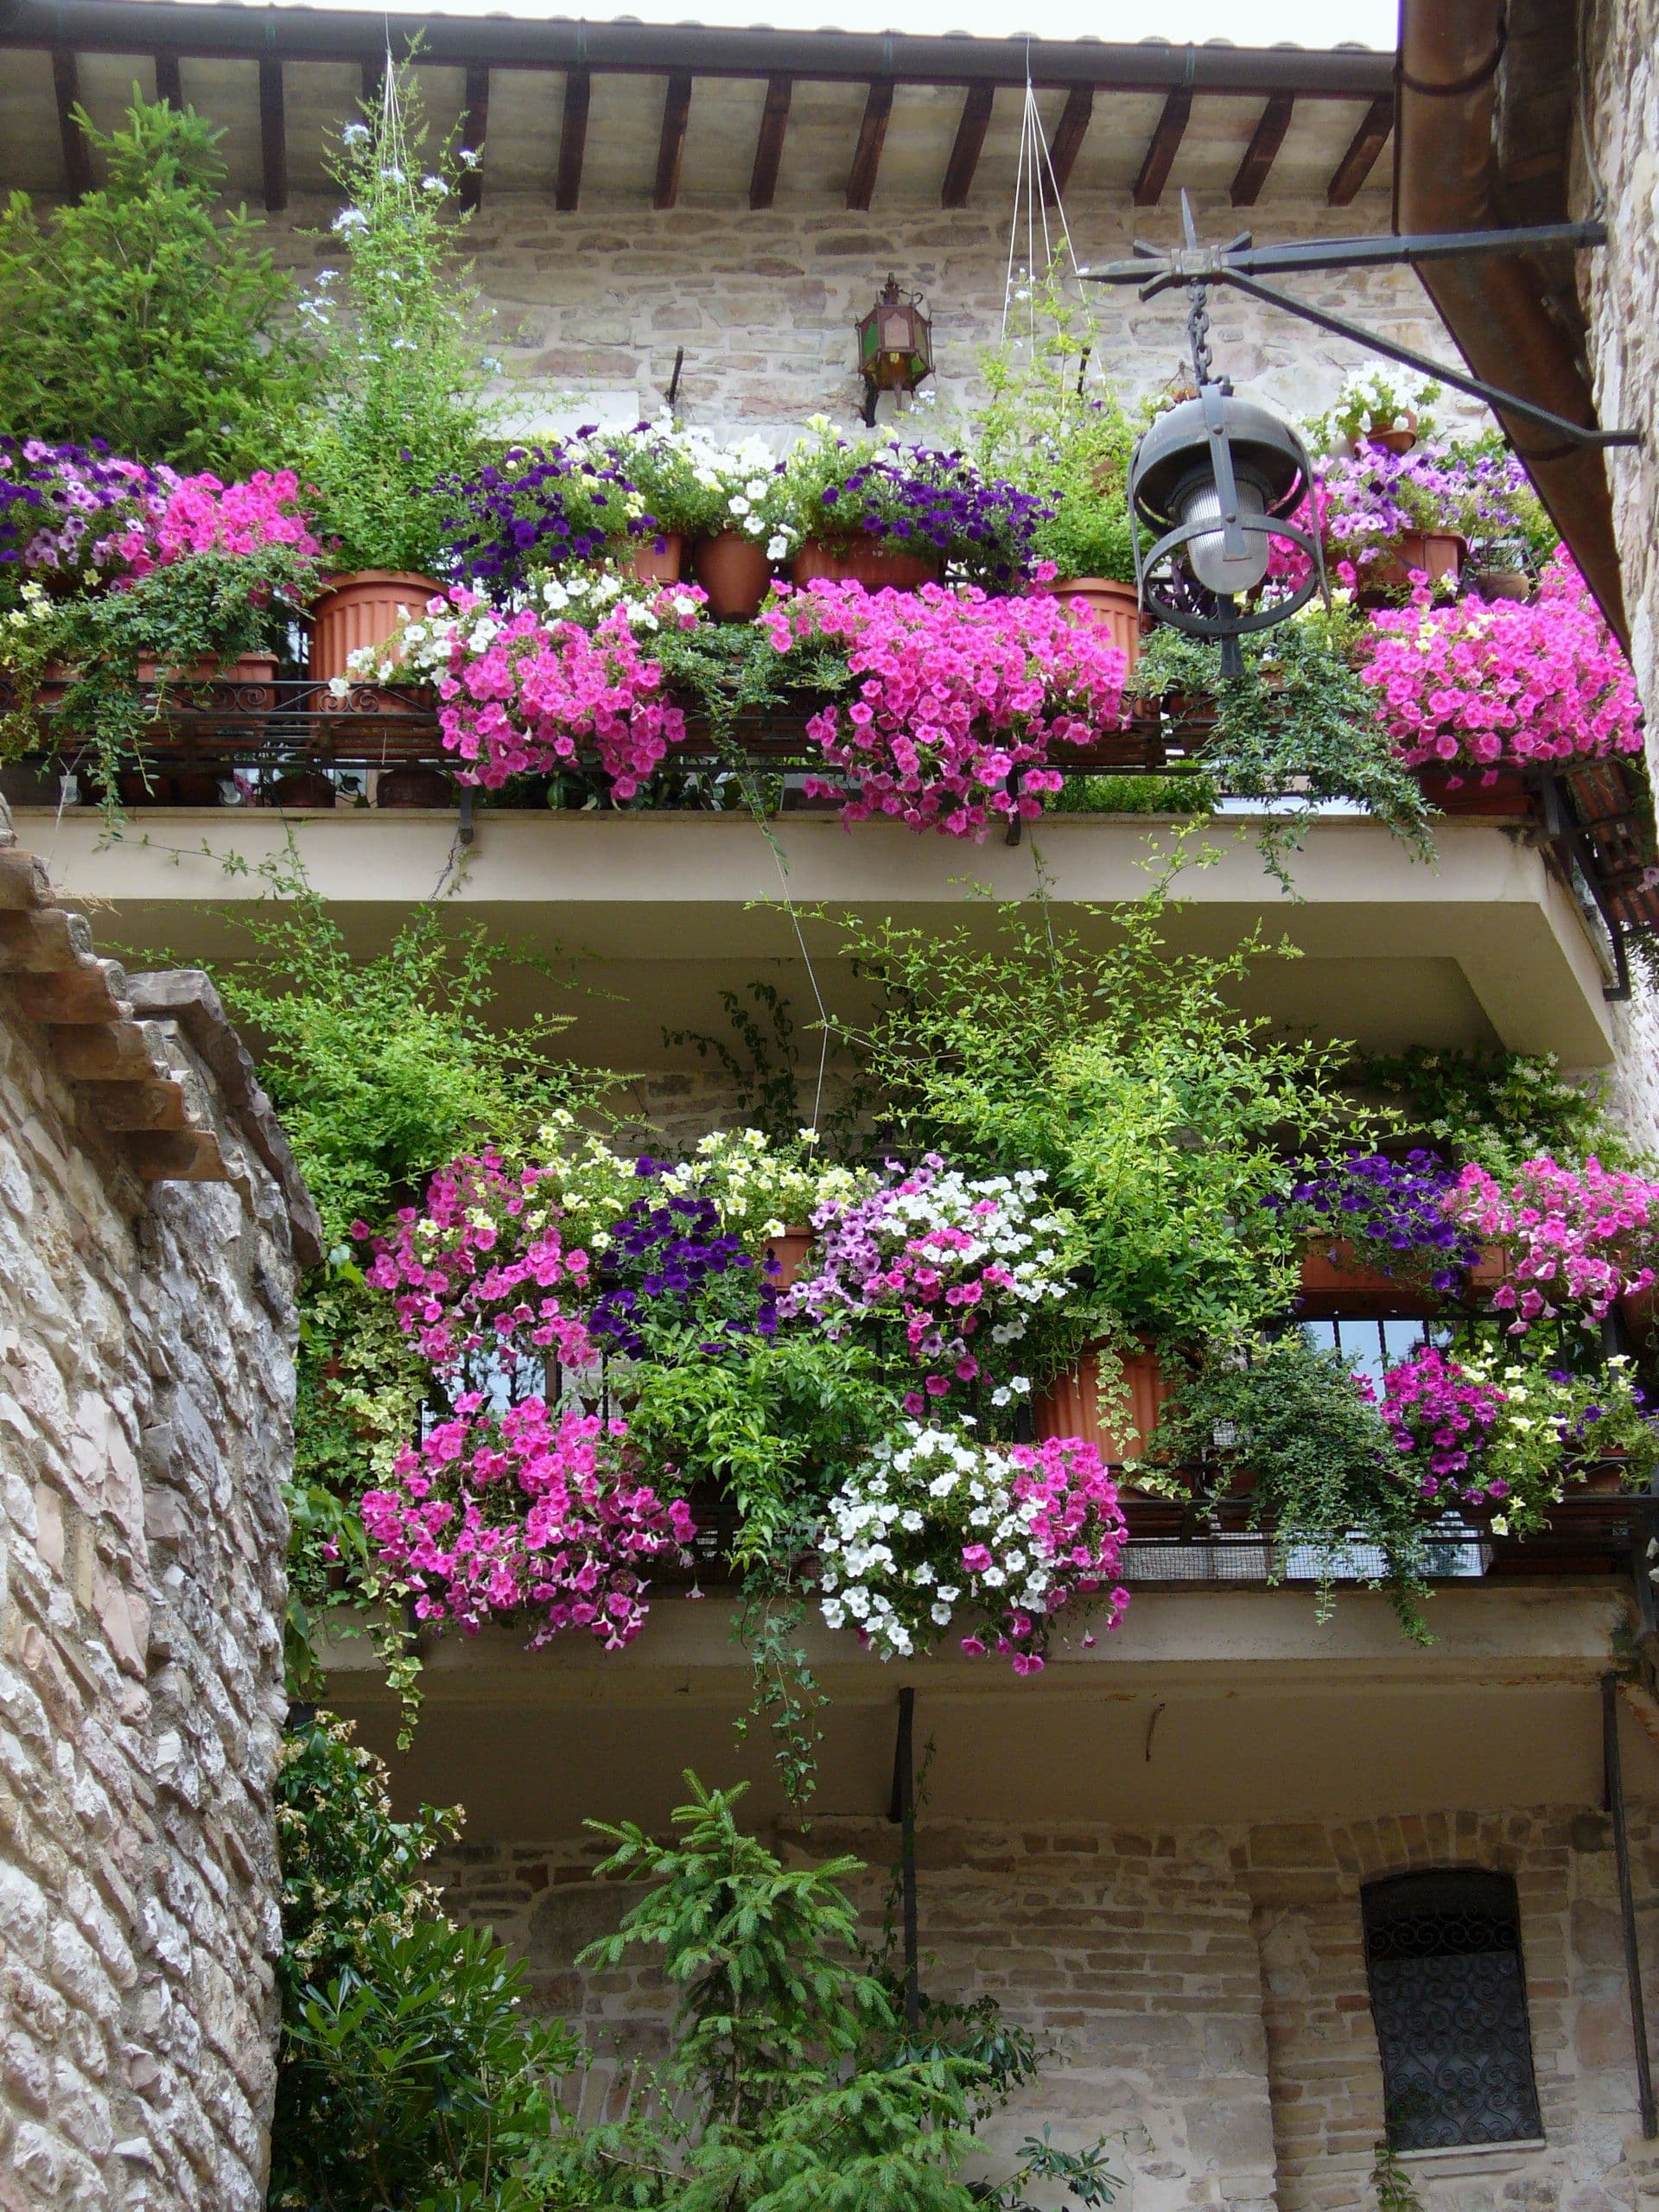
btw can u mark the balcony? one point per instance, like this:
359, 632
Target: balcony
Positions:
1516, 937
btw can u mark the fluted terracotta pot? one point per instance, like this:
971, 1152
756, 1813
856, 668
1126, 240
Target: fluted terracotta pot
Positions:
367, 608
735, 572
875, 566
1112, 604
1069, 1405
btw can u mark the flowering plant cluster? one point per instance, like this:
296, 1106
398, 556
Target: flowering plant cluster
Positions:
534, 1509
1371, 498
759, 1189
943, 1268
1576, 1235
539, 506
670, 1250
913, 500
520, 694
742, 488
1474, 686
935, 1520
955, 694
1478, 1430
1376, 397
1394, 1208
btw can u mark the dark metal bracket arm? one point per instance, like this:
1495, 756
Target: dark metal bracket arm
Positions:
1240, 264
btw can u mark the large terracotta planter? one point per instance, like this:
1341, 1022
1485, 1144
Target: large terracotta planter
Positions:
1069, 1405
875, 566
252, 674
1334, 1282
735, 572
642, 559
413, 788
1462, 792
367, 609
304, 788
1114, 605
1438, 553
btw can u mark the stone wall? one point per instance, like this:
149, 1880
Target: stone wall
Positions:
589, 308
1203, 1990
146, 1400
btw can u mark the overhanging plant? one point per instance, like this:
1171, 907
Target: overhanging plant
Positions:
1392, 1212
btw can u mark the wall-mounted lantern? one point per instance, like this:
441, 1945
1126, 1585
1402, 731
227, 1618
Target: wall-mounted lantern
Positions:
895, 345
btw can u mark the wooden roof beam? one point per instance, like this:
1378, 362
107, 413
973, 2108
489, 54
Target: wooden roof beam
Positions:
66, 88
273, 135
1262, 151
1165, 144
573, 140
769, 146
671, 149
1360, 159
969, 140
872, 135
475, 129
1069, 134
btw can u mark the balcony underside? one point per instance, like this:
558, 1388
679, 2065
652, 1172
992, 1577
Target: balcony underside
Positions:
1206, 1706
652, 914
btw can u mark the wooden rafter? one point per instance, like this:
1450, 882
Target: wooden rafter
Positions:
167, 85
970, 138
1360, 159
1165, 144
273, 135
475, 129
769, 146
66, 89
872, 135
671, 149
1069, 133
573, 140
1262, 151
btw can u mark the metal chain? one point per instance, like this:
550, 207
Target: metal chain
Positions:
1197, 334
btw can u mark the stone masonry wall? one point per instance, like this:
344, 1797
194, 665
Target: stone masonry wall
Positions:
1202, 1991
146, 1400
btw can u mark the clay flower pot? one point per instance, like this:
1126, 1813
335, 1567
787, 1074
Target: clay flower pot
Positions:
735, 572
875, 565
410, 787
251, 673
1437, 553
367, 609
1335, 1281
1112, 604
1069, 1405
307, 787
641, 559
1395, 441
788, 1253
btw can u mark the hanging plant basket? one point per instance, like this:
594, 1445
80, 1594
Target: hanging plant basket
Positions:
735, 574
1070, 1404
368, 607
877, 566
1115, 606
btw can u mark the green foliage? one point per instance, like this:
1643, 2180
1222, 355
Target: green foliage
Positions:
1159, 1113
144, 314
1324, 1472
790, 2088
202, 611
408, 2079
1187, 795
1047, 430
404, 378
1297, 728
1498, 1109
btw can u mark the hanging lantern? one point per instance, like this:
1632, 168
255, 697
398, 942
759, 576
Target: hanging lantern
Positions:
895, 342
1215, 481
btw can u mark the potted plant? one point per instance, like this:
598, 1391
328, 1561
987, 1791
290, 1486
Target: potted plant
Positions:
1473, 689
744, 526
1379, 405
1380, 1236
402, 409
1578, 1238
540, 509
1112, 1398
898, 516
1388, 518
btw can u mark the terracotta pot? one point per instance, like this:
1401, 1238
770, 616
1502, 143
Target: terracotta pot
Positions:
875, 566
367, 609
1110, 603
641, 560
1637, 1311
1437, 552
1069, 1405
788, 1251
169, 787
247, 672
1335, 1282
307, 787
413, 788
1508, 794
1494, 584
735, 572
1395, 441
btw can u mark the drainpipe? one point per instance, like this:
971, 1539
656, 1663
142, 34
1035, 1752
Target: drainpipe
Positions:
1450, 54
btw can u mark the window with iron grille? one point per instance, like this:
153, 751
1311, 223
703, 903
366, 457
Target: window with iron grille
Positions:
1449, 1996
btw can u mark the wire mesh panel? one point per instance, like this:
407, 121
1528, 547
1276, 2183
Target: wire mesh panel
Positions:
1448, 1994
